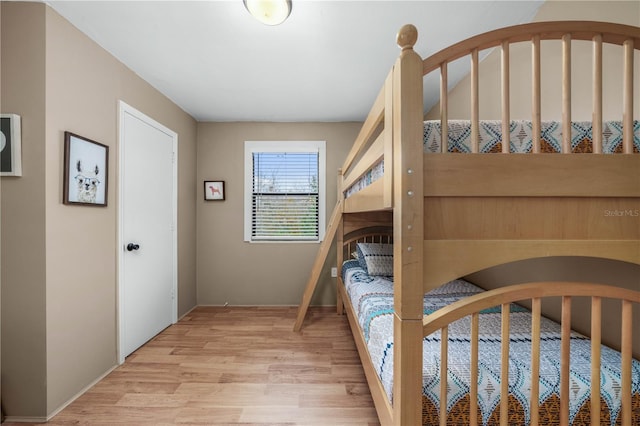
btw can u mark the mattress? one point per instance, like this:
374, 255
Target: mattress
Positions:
520, 142
372, 300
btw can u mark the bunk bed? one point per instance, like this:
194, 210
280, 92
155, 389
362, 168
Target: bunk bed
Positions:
458, 210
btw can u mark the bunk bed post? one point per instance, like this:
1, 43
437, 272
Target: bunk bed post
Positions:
536, 90
627, 112
408, 230
597, 95
339, 249
566, 94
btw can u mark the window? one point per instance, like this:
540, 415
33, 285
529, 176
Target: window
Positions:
284, 191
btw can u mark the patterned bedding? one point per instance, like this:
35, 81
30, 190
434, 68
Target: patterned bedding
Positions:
372, 300
520, 140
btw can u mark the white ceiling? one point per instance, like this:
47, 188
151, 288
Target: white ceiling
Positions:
327, 62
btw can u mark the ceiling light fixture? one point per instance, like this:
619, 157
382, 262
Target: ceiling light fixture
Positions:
269, 12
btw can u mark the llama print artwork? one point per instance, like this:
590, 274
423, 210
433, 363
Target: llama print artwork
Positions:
86, 164
87, 182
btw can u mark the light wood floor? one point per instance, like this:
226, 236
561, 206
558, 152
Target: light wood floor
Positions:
236, 366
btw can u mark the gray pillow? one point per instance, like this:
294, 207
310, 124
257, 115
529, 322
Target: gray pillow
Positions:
376, 258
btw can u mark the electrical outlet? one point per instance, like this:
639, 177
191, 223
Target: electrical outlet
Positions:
334, 272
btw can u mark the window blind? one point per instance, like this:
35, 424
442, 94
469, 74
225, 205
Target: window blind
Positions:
285, 196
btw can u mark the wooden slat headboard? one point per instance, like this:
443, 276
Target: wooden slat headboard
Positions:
372, 234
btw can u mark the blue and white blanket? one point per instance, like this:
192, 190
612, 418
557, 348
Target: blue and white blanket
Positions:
372, 300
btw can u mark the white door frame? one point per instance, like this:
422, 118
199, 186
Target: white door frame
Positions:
123, 109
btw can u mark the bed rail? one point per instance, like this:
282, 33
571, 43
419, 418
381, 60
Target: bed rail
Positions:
534, 292
376, 230
373, 144
598, 32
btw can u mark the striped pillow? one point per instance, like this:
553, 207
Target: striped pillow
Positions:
376, 258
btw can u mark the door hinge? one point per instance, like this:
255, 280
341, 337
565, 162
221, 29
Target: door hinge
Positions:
173, 158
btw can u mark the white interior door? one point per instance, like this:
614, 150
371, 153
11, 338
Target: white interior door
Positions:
147, 284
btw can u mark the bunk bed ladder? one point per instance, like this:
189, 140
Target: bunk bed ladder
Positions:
318, 263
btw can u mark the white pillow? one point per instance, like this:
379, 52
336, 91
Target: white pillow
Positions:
376, 258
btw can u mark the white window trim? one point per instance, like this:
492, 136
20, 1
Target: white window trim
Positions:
284, 146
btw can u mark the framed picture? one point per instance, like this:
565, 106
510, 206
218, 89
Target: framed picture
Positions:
86, 164
213, 190
10, 145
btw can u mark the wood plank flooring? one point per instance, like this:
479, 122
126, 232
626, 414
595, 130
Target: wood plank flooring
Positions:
236, 366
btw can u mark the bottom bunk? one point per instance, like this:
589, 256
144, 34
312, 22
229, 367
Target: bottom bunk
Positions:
369, 303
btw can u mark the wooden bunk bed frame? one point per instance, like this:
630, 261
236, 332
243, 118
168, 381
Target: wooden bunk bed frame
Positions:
450, 217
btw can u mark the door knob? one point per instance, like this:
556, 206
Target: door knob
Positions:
132, 246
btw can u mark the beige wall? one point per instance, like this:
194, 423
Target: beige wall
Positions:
231, 270
75, 247
23, 213
84, 83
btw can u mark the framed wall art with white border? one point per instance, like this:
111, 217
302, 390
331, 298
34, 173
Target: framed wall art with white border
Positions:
214, 190
86, 165
10, 145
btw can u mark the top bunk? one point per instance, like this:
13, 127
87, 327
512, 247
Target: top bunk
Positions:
367, 173
457, 186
